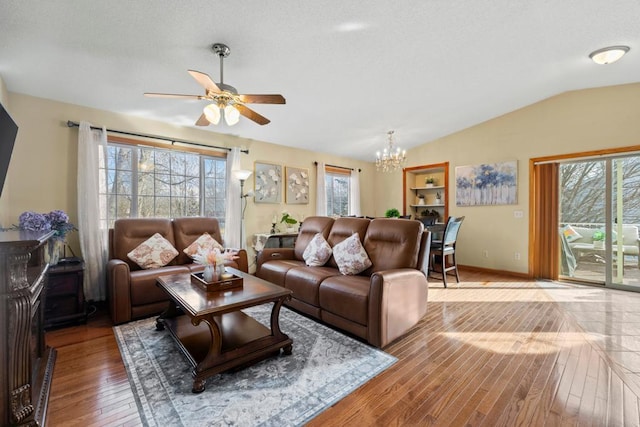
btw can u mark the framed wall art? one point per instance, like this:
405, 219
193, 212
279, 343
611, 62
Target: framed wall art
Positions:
268, 183
297, 186
487, 184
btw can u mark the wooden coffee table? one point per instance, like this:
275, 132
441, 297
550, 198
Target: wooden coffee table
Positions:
213, 333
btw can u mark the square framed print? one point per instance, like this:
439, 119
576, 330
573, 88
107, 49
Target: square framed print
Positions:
268, 183
487, 184
297, 186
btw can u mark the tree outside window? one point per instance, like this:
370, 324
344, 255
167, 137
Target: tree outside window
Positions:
145, 182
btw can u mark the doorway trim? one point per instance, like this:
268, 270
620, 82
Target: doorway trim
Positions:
542, 219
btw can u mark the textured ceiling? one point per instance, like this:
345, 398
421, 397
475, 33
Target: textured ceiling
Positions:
350, 70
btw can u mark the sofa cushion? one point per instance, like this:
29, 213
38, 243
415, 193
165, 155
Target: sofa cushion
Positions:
305, 281
347, 297
391, 246
188, 229
570, 233
318, 252
312, 226
342, 229
204, 243
275, 271
350, 256
143, 284
130, 232
154, 252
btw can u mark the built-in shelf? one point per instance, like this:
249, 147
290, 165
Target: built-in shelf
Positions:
414, 185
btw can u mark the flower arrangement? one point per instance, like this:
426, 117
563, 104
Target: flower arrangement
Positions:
56, 220
287, 219
214, 257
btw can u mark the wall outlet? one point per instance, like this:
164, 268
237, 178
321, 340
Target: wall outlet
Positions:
485, 253
516, 255
518, 214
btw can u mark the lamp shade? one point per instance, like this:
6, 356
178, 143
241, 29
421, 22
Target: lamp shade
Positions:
212, 113
242, 174
231, 115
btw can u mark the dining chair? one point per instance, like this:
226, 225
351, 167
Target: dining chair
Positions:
447, 247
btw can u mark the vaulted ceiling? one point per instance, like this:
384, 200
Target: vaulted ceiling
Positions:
349, 70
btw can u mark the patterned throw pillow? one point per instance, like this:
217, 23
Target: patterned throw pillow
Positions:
204, 243
350, 256
155, 252
570, 233
318, 252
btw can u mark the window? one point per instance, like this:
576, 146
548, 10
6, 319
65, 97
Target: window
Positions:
337, 186
145, 181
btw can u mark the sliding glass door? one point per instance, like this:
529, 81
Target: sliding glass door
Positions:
599, 218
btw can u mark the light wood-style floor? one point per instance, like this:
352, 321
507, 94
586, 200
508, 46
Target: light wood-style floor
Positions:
493, 350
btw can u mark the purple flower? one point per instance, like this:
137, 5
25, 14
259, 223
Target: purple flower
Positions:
57, 221
34, 221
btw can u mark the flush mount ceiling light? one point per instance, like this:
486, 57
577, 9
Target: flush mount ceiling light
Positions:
608, 55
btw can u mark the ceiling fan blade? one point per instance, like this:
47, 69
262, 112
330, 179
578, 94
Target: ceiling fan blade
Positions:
262, 99
250, 114
172, 95
202, 121
205, 81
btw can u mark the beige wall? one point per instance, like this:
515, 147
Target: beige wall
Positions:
43, 167
4, 95
575, 121
42, 173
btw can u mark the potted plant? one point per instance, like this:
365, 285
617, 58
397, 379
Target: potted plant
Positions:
392, 213
421, 199
430, 181
288, 221
438, 198
598, 239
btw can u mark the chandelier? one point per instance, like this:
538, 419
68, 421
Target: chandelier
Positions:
391, 158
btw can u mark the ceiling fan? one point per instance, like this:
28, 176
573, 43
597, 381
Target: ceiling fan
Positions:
225, 100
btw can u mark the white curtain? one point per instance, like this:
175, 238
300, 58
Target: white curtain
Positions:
93, 232
321, 191
233, 213
354, 193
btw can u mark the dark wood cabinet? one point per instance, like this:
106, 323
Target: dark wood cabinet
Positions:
26, 363
65, 303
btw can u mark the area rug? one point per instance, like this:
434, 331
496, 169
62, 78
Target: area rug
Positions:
281, 391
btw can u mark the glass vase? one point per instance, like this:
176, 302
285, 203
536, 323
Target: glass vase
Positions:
54, 249
208, 273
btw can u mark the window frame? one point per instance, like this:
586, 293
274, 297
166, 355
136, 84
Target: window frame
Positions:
331, 172
135, 146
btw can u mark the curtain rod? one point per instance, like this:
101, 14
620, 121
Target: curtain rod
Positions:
162, 138
339, 167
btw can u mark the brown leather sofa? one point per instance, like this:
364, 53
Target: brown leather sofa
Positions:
377, 305
131, 291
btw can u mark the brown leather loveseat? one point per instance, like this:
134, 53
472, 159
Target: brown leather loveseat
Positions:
131, 291
378, 305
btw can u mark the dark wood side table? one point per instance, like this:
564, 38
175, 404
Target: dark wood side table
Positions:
64, 301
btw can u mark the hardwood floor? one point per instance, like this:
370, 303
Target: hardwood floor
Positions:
493, 350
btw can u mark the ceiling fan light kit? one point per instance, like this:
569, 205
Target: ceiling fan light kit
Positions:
224, 99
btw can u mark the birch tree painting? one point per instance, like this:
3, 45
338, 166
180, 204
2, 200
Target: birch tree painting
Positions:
487, 184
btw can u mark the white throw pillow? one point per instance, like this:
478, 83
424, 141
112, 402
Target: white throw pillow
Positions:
350, 256
204, 243
155, 252
570, 233
317, 252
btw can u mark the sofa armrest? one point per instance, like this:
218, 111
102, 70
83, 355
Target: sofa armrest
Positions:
397, 301
424, 257
270, 254
242, 261
119, 291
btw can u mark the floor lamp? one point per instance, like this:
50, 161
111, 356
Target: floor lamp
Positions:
242, 175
